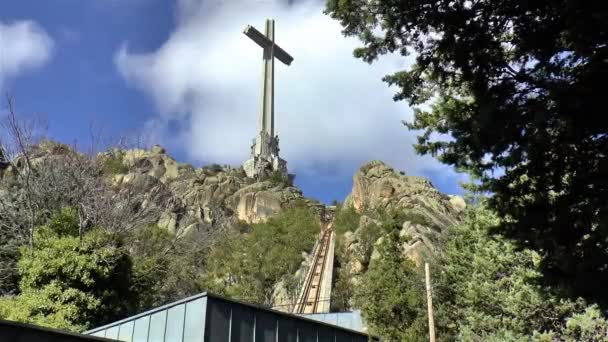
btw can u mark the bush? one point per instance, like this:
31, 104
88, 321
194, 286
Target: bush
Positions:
346, 220
391, 295
342, 291
158, 254
214, 168
277, 178
395, 217
488, 289
247, 266
112, 164
71, 283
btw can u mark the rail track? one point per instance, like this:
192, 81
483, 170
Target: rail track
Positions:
310, 297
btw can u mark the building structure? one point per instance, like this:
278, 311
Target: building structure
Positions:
210, 318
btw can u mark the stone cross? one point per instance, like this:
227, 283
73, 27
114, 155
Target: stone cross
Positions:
271, 50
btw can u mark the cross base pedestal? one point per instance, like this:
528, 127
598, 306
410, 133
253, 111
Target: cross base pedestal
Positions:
263, 166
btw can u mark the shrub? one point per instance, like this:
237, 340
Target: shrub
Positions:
488, 289
346, 220
215, 168
68, 282
247, 266
278, 178
391, 295
113, 164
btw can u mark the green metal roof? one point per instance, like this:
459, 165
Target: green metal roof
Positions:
210, 318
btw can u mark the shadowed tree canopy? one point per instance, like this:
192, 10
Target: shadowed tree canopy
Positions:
513, 93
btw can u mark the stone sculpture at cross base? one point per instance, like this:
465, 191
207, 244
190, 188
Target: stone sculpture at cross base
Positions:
265, 158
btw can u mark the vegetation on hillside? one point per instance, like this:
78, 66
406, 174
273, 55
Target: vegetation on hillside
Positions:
248, 265
391, 294
76, 281
70, 282
346, 220
377, 224
113, 164
485, 288
77, 251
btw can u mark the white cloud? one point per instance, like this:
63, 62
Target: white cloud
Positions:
332, 110
24, 45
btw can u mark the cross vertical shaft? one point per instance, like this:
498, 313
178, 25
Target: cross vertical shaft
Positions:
267, 111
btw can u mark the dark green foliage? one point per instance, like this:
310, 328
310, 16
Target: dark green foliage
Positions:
165, 268
393, 219
214, 168
487, 289
515, 87
367, 237
76, 283
63, 223
342, 291
9, 255
68, 282
590, 325
112, 164
248, 266
346, 220
279, 178
391, 295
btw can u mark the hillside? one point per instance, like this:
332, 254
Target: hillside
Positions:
212, 196
90, 239
208, 228
184, 198
384, 201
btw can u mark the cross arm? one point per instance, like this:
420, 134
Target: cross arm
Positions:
282, 55
257, 36
264, 42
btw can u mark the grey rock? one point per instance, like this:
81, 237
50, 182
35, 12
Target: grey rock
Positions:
378, 186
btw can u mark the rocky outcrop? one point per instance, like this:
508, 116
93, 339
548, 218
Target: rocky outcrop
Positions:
378, 186
208, 196
425, 213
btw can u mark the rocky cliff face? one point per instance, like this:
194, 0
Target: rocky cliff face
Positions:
426, 213
208, 196
378, 186
177, 196
218, 196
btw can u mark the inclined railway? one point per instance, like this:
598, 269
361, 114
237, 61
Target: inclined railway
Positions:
310, 298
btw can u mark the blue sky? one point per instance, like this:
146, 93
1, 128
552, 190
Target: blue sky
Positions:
183, 75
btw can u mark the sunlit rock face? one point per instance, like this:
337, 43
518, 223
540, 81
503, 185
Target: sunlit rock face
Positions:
214, 195
377, 185
427, 212
179, 197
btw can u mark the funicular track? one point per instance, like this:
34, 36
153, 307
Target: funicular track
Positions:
310, 297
